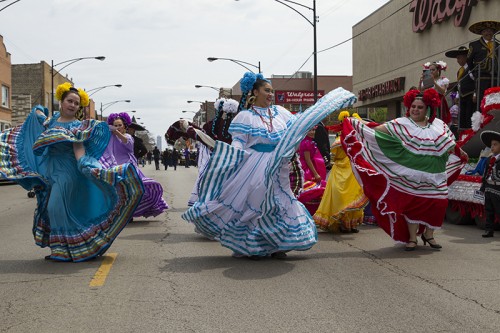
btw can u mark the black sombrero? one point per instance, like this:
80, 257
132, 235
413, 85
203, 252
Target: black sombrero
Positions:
478, 27
487, 136
454, 53
137, 127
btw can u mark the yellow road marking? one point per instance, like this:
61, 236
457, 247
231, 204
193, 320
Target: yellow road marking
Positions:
103, 271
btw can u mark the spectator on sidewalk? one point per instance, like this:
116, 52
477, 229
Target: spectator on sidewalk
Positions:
156, 157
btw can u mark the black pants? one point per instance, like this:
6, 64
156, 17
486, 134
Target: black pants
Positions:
157, 164
467, 108
483, 85
491, 205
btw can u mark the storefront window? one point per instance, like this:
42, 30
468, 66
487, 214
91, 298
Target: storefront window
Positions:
5, 96
378, 115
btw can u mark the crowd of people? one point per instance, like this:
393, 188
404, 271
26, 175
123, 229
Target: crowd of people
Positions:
267, 178
478, 64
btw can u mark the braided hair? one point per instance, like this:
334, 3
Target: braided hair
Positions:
218, 116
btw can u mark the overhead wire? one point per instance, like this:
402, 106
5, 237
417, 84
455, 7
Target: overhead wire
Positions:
347, 40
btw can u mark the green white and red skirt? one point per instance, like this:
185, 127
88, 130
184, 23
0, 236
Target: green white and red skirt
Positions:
405, 174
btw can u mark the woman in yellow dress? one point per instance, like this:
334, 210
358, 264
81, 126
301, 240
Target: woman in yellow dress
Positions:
341, 208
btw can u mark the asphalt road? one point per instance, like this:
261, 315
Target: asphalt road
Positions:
166, 278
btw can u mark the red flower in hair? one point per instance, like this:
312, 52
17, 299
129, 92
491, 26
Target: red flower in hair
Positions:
431, 98
410, 97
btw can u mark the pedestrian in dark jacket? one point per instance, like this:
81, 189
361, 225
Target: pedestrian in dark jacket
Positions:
175, 158
156, 157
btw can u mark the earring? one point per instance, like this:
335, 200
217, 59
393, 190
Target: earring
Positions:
251, 100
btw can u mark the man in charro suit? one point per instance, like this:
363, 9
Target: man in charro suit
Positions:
465, 86
482, 58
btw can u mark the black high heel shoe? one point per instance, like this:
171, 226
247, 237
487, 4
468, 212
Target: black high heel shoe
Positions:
427, 240
411, 248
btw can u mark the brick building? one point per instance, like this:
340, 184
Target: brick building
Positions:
5, 86
31, 85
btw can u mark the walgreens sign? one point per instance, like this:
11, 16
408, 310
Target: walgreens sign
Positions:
296, 97
426, 13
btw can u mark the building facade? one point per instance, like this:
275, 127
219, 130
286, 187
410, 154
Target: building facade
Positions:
33, 82
393, 43
6, 87
296, 92
32, 85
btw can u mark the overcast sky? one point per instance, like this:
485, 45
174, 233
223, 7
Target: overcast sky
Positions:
157, 49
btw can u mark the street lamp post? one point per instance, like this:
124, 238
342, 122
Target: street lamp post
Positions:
195, 112
10, 4
94, 90
313, 24
222, 91
205, 111
107, 105
67, 62
239, 62
211, 87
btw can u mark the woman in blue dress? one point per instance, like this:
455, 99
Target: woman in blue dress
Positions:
245, 201
81, 208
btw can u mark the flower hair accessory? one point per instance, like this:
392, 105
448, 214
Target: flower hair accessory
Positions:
61, 89
219, 103
409, 97
430, 98
230, 106
249, 79
345, 114
122, 115
441, 65
65, 87
247, 82
84, 97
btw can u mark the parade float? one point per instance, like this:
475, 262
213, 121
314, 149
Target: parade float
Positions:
466, 204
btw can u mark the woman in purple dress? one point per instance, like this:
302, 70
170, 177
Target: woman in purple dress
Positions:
121, 150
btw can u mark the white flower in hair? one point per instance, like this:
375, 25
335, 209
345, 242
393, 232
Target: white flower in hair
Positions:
442, 65
426, 65
230, 106
217, 103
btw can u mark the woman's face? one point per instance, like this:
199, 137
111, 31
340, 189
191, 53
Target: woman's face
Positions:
70, 105
418, 110
264, 95
120, 126
434, 71
311, 132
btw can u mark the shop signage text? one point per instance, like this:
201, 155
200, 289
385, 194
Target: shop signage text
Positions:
296, 97
429, 12
381, 89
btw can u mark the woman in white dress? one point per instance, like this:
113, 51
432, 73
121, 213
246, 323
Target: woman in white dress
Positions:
441, 84
245, 201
